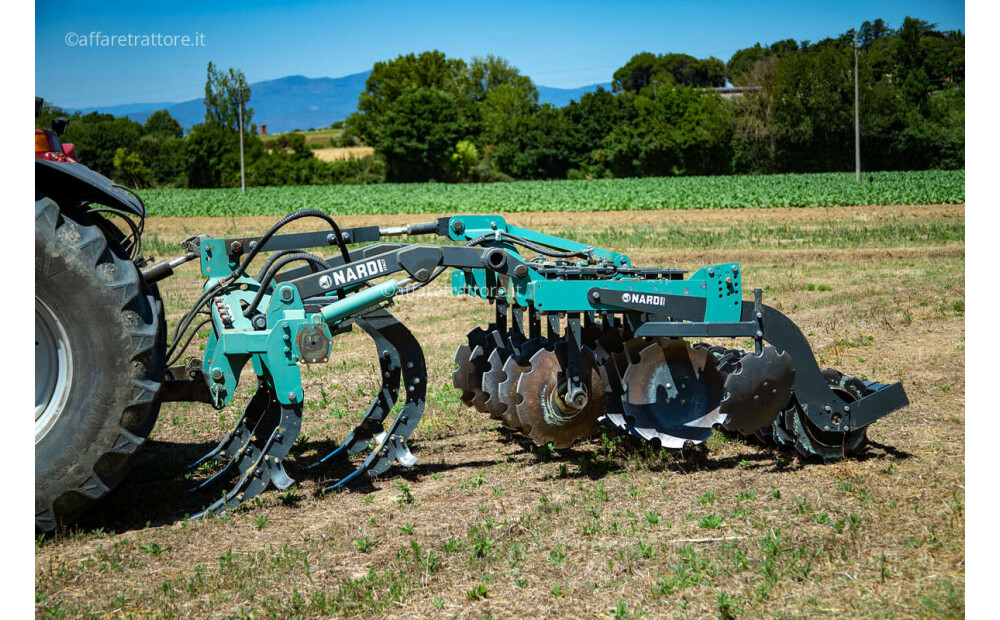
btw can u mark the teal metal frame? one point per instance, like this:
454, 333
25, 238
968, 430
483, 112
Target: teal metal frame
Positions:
273, 351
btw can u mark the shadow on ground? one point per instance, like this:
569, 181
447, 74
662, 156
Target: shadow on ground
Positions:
161, 490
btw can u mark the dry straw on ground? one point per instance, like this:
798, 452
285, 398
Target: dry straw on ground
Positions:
487, 526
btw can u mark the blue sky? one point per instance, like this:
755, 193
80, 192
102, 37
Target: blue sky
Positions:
564, 44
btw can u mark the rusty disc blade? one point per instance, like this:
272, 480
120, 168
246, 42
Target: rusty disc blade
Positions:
508, 398
543, 415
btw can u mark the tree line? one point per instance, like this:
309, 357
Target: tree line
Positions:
431, 117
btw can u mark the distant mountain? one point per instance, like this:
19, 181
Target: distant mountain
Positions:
298, 102
560, 97
129, 109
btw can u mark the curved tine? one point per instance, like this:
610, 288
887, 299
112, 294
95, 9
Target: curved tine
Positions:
219, 475
249, 451
387, 451
266, 466
240, 433
365, 466
382, 403
279, 477
348, 478
248, 482
415, 386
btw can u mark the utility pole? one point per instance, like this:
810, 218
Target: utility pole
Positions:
857, 116
243, 176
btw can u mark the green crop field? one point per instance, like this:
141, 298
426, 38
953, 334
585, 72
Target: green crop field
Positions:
781, 190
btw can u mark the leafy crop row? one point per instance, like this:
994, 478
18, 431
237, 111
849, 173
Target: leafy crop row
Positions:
720, 192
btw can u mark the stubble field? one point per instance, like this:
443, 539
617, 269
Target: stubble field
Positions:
485, 525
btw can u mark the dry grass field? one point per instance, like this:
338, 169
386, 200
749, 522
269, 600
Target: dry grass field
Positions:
487, 526
342, 153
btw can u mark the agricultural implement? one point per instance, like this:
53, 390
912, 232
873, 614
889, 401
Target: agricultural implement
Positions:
581, 340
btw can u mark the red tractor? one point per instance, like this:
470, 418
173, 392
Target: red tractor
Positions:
47, 143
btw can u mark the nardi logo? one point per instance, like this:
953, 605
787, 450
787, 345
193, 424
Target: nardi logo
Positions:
649, 300
353, 273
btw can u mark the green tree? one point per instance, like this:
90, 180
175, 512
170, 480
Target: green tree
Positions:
783, 47
165, 157
212, 155
160, 122
872, 31
656, 72
504, 109
814, 109
391, 80
418, 134
755, 133
462, 163
97, 136
224, 92
680, 131
636, 74
743, 60
486, 74
542, 149
593, 118
130, 167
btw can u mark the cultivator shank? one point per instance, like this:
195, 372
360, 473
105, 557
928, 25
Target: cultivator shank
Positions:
581, 339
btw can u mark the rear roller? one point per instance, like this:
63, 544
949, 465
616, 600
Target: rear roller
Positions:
813, 442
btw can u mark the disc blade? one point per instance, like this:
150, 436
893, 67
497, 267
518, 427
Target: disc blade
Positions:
479, 361
507, 390
672, 393
492, 379
460, 377
758, 391
544, 417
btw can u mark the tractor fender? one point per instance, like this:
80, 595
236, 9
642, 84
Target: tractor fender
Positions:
69, 183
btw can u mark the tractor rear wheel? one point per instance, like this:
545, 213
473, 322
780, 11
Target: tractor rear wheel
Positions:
99, 362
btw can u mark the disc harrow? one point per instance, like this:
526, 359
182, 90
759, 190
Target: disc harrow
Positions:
581, 340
